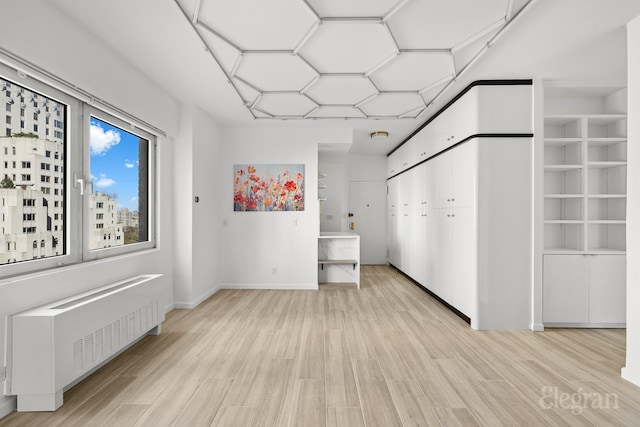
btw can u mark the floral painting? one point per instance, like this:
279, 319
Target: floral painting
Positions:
266, 187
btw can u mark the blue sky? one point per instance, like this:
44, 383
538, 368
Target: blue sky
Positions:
114, 163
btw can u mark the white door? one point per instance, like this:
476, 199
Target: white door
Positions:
367, 207
463, 166
444, 253
464, 265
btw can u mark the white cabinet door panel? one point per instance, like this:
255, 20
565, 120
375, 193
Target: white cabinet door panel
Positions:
607, 289
565, 290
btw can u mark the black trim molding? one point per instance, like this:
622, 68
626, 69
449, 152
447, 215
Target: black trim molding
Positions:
440, 300
512, 82
478, 135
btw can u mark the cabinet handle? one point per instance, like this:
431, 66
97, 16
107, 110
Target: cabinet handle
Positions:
453, 200
452, 215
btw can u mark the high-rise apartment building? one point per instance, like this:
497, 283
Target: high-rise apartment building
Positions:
105, 231
32, 180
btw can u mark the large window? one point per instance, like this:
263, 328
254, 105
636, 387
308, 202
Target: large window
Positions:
27, 206
119, 168
73, 178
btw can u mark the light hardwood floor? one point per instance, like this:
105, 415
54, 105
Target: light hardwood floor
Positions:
386, 355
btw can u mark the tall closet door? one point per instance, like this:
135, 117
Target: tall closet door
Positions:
464, 260
431, 249
464, 174
444, 254
443, 174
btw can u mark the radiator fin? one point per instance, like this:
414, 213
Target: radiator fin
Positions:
77, 356
88, 351
108, 339
116, 334
99, 343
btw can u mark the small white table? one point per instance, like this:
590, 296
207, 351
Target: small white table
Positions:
339, 258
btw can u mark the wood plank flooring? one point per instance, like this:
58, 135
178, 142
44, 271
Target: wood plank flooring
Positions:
385, 355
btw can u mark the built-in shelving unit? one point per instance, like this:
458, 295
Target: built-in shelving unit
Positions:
585, 180
339, 258
584, 174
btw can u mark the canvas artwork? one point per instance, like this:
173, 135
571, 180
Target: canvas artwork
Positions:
267, 187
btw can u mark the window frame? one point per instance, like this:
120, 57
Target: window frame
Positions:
71, 200
91, 254
76, 122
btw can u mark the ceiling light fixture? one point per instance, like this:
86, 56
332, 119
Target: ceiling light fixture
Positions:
379, 134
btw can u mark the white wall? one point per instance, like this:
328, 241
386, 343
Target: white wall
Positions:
631, 371
271, 249
196, 159
83, 60
333, 210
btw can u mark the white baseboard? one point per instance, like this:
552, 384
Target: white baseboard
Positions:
274, 286
631, 375
197, 301
537, 327
7, 405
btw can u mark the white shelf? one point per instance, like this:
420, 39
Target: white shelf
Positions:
564, 221
606, 196
604, 251
561, 142
563, 196
563, 251
606, 141
605, 119
562, 168
606, 221
605, 165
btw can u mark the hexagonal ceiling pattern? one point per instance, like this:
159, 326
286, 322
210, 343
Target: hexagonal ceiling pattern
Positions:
336, 59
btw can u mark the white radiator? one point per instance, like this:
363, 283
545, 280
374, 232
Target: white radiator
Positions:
57, 344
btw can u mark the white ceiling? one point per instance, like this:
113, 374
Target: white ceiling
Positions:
338, 62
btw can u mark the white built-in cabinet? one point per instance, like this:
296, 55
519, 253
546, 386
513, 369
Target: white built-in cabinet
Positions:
459, 211
585, 181
339, 258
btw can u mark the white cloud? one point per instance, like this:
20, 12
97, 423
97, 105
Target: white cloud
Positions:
102, 141
104, 181
129, 164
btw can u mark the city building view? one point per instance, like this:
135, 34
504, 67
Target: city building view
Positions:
32, 183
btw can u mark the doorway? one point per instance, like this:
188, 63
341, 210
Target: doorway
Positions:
367, 206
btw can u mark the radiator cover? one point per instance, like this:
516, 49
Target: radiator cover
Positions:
55, 345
